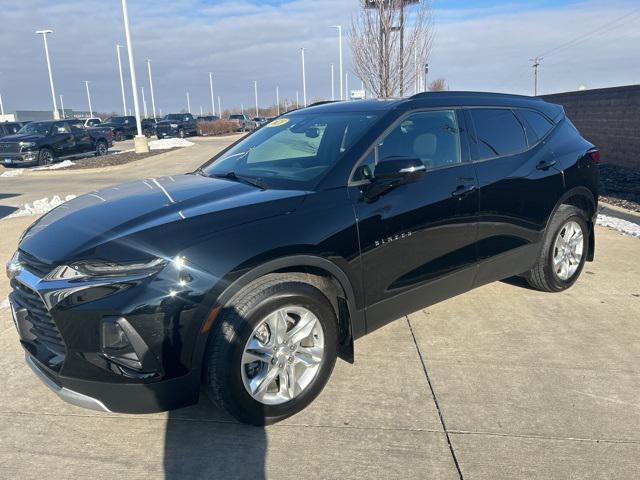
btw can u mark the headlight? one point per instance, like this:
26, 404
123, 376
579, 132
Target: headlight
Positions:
14, 266
27, 144
97, 268
174, 125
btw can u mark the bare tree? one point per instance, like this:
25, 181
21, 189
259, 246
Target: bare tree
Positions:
438, 85
390, 44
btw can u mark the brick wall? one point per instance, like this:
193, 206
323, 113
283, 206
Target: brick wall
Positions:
609, 118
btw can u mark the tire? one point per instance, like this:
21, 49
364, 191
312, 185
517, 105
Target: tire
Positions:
45, 157
118, 136
101, 148
226, 371
547, 275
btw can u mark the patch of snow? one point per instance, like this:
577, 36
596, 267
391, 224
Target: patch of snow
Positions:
12, 173
624, 226
118, 152
41, 206
55, 166
167, 143
4, 304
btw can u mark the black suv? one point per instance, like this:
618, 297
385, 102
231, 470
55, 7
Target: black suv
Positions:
43, 143
122, 127
177, 125
253, 273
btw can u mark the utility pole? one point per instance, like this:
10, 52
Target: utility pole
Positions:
213, 103
124, 97
44, 33
304, 80
426, 72
255, 89
61, 107
536, 63
86, 82
153, 98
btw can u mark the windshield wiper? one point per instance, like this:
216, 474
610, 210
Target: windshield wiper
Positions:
241, 178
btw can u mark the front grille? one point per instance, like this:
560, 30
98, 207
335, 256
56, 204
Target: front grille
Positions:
43, 327
9, 148
35, 265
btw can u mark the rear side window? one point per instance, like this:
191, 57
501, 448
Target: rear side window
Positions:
536, 124
498, 133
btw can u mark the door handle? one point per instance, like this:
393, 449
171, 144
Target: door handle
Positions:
546, 164
463, 191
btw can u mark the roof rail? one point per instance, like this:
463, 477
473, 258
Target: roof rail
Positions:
462, 94
323, 102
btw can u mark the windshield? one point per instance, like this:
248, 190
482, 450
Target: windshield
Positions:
36, 128
294, 151
174, 116
116, 120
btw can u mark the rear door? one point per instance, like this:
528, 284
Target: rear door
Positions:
418, 240
519, 188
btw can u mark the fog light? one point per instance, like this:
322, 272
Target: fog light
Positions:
113, 336
117, 345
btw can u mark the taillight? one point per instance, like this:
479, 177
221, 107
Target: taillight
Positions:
595, 156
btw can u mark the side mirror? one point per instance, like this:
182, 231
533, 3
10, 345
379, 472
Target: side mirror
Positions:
392, 172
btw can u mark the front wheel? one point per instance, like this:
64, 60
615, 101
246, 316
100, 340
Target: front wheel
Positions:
45, 157
119, 137
564, 251
273, 350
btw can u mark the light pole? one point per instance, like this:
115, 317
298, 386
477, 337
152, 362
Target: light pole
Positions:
1, 106
201, 112
304, 80
140, 141
219, 107
346, 86
188, 103
536, 63
297, 99
144, 103
153, 98
213, 103
86, 83
255, 89
339, 27
333, 86
277, 100
61, 107
124, 97
426, 72
44, 34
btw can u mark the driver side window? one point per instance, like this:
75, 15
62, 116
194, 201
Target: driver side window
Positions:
432, 137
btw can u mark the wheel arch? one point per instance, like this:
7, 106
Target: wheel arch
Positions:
584, 199
338, 290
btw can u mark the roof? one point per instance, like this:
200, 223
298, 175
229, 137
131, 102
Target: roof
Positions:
441, 99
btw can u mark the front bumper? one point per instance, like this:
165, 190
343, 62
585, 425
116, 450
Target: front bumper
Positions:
167, 132
23, 158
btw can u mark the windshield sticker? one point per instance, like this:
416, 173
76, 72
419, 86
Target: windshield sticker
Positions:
278, 123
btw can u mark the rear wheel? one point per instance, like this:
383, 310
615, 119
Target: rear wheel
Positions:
273, 350
101, 148
564, 251
45, 157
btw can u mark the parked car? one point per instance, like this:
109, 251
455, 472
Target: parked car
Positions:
122, 127
177, 125
253, 273
92, 122
9, 128
245, 124
50, 141
260, 121
208, 118
149, 127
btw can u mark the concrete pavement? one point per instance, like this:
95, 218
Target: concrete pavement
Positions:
502, 382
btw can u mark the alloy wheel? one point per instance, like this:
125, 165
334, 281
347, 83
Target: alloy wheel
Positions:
568, 249
283, 355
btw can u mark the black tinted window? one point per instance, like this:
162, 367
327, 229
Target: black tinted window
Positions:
498, 132
537, 125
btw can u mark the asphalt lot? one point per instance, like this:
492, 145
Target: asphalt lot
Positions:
503, 382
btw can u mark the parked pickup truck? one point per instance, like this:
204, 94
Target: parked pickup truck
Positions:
177, 125
43, 143
244, 122
122, 127
9, 128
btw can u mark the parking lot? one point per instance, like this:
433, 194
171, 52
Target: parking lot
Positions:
503, 382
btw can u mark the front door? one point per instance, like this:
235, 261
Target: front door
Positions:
418, 241
62, 140
84, 143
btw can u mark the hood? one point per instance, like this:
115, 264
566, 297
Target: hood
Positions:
158, 216
167, 122
21, 137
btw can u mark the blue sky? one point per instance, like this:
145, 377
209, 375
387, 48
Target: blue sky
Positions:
478, 45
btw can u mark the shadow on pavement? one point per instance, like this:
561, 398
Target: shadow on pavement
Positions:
203, 442
6, 211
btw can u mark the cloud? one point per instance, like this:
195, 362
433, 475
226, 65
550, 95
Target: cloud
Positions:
475, 48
